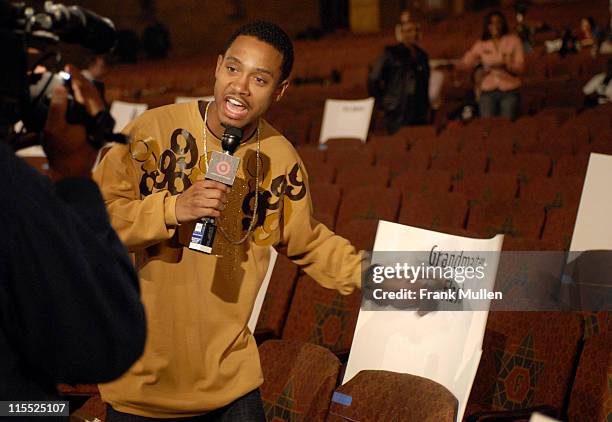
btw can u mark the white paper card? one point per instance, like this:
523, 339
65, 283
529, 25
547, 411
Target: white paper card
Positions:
124, 113
261, 295
538, 417
442, 346
346, 119
593, 228
206, 98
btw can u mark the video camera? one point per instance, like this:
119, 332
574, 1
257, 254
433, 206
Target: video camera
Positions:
25, 94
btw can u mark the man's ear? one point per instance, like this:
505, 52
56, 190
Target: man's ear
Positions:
219, 62
280, 90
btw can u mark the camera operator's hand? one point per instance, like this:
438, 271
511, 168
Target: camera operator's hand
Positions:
85, 91
68, 151
205, 198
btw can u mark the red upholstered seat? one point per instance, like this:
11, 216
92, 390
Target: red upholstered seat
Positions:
389, 396
513, 218
369, 203
276, 303
299, 379
322, 316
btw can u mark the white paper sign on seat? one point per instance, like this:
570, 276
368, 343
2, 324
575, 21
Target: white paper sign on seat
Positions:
206, 98
346, 119
593, 228
33, 151
444, 346
124, 112
538, 417
261, 295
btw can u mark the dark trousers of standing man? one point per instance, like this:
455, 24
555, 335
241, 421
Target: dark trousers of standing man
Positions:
247, 408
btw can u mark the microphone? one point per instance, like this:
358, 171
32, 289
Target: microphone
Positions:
222, 168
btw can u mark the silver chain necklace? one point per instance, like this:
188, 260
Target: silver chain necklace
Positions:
254, 217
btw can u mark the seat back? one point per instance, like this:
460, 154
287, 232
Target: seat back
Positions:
299, 379
346, 119
124, 113
373, 396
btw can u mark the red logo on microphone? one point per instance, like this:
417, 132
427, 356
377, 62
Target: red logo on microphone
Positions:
223, 168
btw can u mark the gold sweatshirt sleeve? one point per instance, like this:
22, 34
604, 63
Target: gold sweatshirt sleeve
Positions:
329, 259
138, 222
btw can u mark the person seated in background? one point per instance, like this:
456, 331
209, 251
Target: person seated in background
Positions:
95, 69
568, 43
399, 80
436, 85
606, 45
468, 110
502, 58
523, 30
598, 90
588, 35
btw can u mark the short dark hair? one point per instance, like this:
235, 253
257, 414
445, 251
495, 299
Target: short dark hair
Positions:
486, 34
269, 33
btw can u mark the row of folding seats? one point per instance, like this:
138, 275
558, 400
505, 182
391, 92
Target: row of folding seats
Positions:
544, 345
481, 213
302, 380
394, 164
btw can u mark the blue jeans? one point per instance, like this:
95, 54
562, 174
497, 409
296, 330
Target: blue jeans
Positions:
500, 103
248, 408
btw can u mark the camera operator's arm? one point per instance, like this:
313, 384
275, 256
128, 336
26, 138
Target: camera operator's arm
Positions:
65, 145
74, 312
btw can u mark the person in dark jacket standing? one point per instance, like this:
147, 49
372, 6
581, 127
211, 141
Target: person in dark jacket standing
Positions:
70, 309
399, 80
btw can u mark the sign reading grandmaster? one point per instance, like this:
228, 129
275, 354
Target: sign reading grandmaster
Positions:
223, 168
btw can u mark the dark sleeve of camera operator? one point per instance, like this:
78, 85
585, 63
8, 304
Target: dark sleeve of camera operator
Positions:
70, 307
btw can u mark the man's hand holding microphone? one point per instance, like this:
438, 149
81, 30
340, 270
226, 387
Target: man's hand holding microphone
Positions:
205, 198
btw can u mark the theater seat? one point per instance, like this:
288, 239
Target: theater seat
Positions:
320, 172
561, 192
325, 201
299, 379
460, 164
278, 296
413, 181
571, 165
369, 203
559, 225
592, 389
527, 361
488, 187
322, 316
311, 155
361, 233
94, 409
389, 396
524, 165
358, 176
434, 211
359, 157
512, 218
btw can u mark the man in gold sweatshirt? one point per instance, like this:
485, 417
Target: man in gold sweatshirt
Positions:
200, 359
